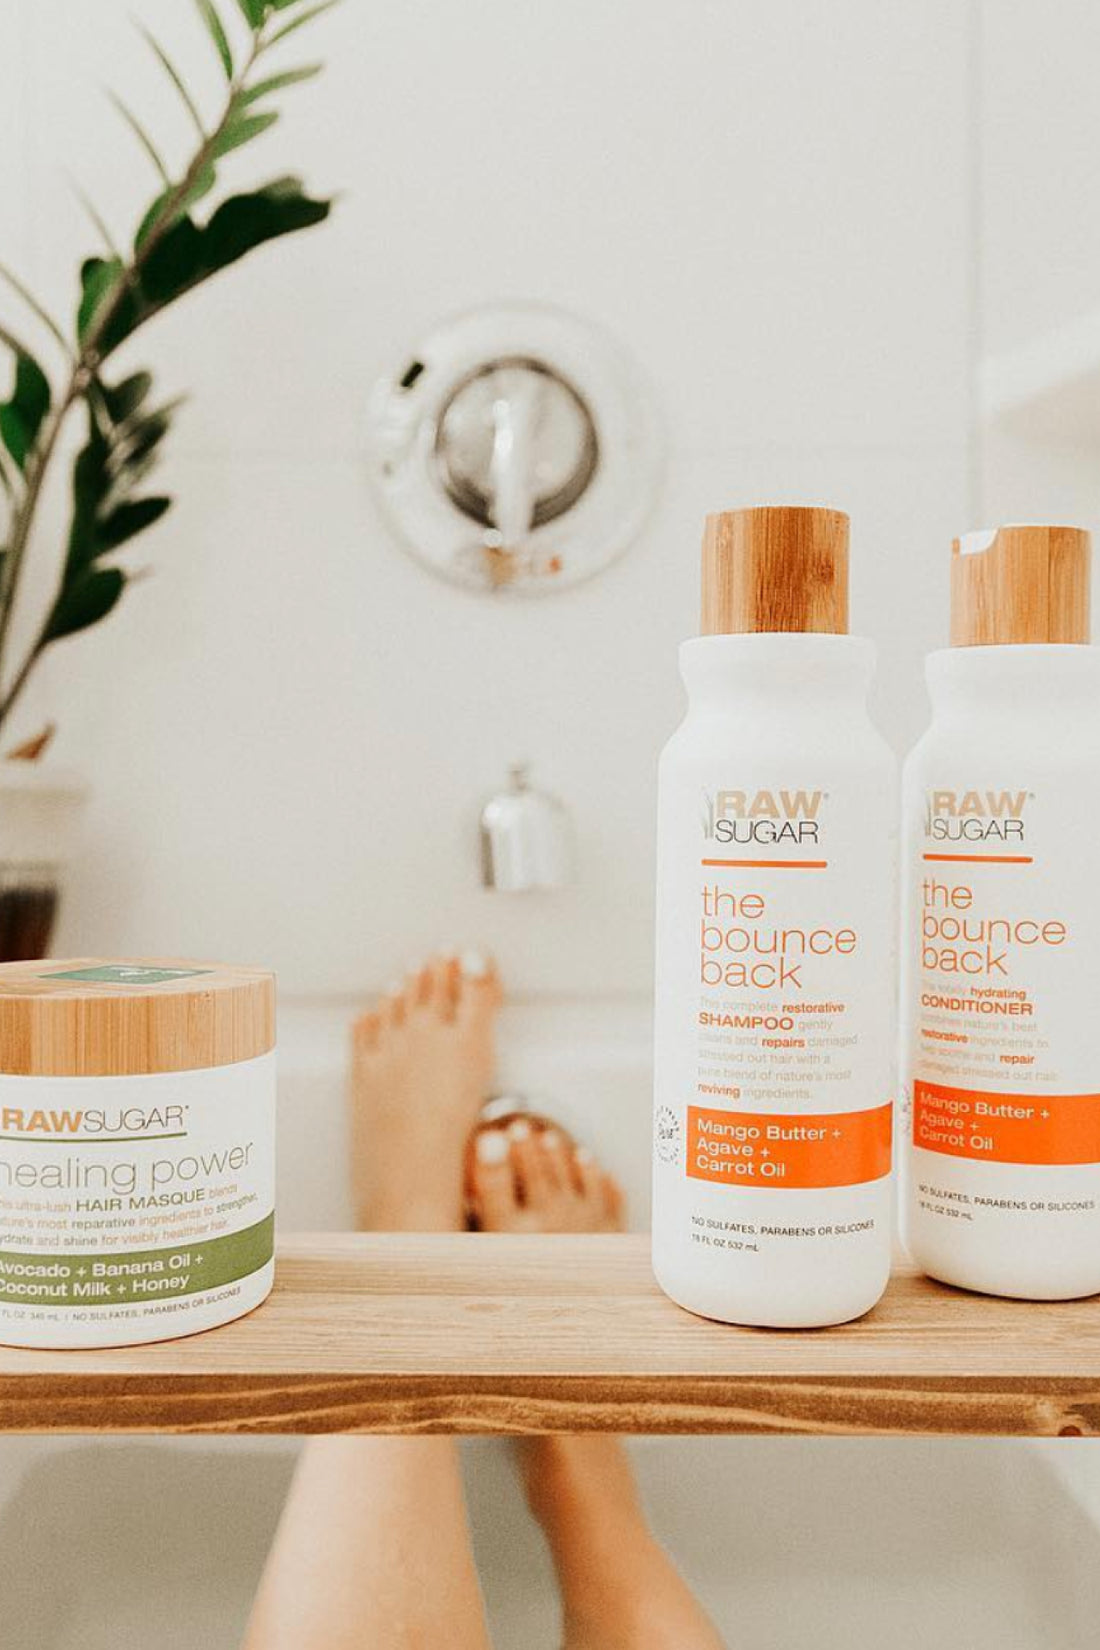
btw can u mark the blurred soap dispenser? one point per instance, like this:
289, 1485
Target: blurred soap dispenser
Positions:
526, 838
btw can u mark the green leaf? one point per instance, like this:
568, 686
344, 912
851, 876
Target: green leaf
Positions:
91, 485
302, 19
142, 136
129, 519
236, 133
22, 417
152, 218
254, 12
201, 187
216, 30
99, 279
175, 77
104, 468
143, 436
135, 474
13, 435
124, 399
189, 253
245, 222
276, 82
155, 217
83, 601
175, 263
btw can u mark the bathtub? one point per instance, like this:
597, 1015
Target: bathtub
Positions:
834, 1543
587, 1063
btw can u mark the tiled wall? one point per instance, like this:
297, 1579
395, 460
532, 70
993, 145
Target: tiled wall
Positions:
290, 726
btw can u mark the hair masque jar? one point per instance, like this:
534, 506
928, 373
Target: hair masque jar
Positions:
137, 1149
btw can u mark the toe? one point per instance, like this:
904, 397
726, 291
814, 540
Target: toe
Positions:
493, 1189
530, 1163
443, 986
614, 1203
555, 1162
420, 987
587, 1175
366, 1032
394, 1008
480, 989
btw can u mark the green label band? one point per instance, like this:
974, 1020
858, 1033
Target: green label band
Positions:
142, 1275
118, 974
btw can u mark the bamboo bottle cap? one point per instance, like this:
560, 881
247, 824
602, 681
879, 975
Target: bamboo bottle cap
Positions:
1020, 584
779, 567
90, 1017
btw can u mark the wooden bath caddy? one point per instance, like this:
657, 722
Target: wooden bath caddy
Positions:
515, 1334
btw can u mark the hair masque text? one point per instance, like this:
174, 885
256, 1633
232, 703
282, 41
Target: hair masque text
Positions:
138, 1205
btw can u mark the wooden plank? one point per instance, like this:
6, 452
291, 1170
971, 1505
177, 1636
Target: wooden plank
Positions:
400, 1333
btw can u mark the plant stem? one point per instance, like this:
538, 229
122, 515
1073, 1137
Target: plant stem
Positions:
22, 521
82, 377
20, 682
109, 307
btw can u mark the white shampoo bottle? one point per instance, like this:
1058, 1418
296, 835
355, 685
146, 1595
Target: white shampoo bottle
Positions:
1001, 950
775, 999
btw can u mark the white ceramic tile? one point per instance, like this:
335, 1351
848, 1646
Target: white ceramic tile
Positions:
291, 727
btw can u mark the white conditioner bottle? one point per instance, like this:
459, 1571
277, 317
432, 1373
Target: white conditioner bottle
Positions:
1001, 946
775, 999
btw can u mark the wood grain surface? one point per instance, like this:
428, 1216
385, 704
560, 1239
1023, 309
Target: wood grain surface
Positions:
775, 568
1030, 584
52, 1025
396, 1333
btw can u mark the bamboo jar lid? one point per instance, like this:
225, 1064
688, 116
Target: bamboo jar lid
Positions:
1020, 584
775, 568
93, 1017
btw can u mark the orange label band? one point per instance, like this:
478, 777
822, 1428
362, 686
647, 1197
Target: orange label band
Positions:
744, 1148
1006, 1128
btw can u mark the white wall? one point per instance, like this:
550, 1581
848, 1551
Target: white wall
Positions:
290, 726
1037, 260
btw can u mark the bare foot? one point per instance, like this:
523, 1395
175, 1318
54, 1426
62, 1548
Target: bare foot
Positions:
620, 1590
526, 1178
421, 1069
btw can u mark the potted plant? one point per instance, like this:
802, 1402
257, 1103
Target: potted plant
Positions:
190, 232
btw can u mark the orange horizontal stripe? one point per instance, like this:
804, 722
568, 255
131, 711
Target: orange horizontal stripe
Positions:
1006, 1128
771, 864
983, 859
788, 1150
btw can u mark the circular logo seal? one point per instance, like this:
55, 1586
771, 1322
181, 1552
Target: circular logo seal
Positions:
666, 1135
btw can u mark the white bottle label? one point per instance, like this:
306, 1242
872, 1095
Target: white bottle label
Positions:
1004, 918
134, 1207
774, 1035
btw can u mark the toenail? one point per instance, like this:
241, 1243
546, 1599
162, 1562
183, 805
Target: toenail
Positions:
475, 965
492, 1146
519, 1130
